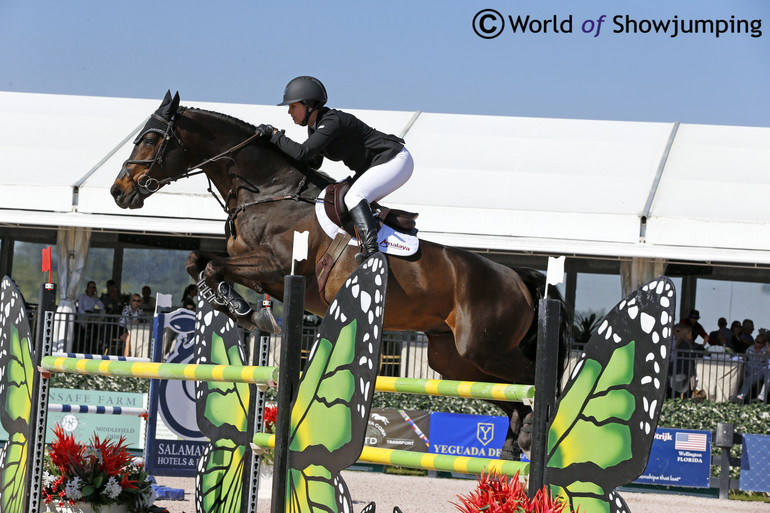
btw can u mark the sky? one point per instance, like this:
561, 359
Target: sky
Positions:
576, 59
427, 55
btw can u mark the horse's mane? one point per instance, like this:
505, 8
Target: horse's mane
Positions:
319, 178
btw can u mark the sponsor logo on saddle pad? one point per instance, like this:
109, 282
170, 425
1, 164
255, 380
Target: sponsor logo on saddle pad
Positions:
391, 242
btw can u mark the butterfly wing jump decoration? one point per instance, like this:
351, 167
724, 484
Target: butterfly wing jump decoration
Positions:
330, 414
17, 374
604, 425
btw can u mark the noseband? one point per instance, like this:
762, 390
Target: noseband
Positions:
159, 125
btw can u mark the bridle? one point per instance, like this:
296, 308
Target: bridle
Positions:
166, 130
148, 185
145, 183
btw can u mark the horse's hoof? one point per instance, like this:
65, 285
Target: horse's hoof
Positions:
245, 324
265, 321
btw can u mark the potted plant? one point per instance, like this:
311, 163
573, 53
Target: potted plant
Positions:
100, 477
496, 493
267, 455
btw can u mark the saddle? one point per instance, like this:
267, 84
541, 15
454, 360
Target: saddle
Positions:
334, 204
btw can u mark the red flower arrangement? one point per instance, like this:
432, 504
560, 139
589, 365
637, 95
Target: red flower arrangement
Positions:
496, 493
99, 474
271, 412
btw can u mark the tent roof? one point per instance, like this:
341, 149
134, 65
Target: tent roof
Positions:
557, 186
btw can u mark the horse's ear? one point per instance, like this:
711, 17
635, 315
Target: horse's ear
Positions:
174, 104
169, 106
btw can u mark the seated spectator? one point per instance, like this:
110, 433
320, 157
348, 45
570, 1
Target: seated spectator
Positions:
697, 330
86, 334
721, 336
113, 303
148, 302
88, 302
190, 292
755, 368
132, 314
189, 304
735, 337
682, 369
762, 395
746, 340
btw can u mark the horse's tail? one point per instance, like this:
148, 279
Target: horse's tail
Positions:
535, 283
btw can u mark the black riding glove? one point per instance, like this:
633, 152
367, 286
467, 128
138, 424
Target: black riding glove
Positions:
266, 131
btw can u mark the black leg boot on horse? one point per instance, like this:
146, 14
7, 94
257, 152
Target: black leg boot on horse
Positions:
367, 230
225, 296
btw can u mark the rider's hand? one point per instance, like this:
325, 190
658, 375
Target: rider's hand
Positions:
265, 131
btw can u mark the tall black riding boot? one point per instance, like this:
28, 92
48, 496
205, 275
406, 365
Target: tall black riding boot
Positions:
367, 230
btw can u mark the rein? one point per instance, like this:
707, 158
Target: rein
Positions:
151, 185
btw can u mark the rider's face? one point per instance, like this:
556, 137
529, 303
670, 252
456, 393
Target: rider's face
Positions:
297, 112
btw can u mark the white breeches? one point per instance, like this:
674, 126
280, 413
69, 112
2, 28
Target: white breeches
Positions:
379, 181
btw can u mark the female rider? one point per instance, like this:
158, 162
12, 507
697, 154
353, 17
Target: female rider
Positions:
380, 161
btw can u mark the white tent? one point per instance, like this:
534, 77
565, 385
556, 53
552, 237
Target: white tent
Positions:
557, 186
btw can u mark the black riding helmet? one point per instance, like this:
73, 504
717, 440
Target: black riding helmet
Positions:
307, 90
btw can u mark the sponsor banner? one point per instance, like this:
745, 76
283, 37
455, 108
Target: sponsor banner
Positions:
84, 425
405, 430
679, 458
755, 463
175, 457
478, 436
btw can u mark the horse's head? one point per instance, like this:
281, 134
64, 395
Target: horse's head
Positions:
158, 157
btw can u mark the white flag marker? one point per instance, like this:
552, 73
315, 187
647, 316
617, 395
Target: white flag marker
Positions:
299, 249
555, 273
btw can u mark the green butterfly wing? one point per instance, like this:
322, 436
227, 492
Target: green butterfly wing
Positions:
602, 431
223, 416
16, 381
330, 413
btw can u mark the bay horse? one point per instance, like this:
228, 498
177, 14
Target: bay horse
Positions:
479, 316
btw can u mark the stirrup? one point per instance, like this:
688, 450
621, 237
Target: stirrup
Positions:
362, 255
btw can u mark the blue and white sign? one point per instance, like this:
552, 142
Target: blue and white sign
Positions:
478, 436
755, 463
679, 457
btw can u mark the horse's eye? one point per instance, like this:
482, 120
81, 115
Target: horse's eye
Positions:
150, 140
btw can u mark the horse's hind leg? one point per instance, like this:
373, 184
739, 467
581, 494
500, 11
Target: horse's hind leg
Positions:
444, 359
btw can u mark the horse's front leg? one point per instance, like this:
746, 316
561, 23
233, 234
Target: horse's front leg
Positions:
215, 273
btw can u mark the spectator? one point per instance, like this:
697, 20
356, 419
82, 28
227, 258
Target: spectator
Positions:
682, 370
697, 330
132, 314
113, 303
735, 337
88, 305
148, 302
103, 295
746, 340
190, 292
189, 304
88, 302
722, 335
755, 368
762, 396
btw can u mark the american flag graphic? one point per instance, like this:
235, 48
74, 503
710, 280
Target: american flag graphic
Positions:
690, 441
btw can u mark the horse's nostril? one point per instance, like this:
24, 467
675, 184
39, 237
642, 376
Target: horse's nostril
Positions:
115, 191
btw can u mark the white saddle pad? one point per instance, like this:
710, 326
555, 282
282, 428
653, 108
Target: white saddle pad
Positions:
391, 241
